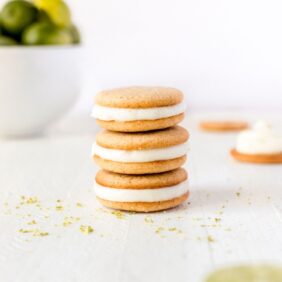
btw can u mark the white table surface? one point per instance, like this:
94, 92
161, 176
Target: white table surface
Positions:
234, 214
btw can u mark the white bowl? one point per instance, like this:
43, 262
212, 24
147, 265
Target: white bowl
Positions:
37, 86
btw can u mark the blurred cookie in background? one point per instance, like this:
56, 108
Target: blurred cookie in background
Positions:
223, 125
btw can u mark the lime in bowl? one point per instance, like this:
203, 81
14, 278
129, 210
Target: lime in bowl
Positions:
40, 65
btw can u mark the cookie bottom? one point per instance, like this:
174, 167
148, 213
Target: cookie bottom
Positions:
141, 125
258, 159
223, 126
140, 168
145, 206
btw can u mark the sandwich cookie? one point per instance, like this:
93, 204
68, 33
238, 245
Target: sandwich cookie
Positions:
223, 126
136, 109
261, 144
142, 152
142, 193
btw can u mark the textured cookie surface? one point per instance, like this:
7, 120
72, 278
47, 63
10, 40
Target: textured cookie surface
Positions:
141, 141
125, 181
145, 206
259, 159
140, 168
141, 125
139, 97
223, 125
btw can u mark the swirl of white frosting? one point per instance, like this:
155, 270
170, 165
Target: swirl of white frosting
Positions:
140, 156
261, 139
141, 195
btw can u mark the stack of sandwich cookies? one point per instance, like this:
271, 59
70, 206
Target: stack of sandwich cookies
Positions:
136, 109
141, 149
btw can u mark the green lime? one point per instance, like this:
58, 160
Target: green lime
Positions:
17, 15
44, 33
255, 273
43, 17
57, 10
0, 25
75, 34
7, 41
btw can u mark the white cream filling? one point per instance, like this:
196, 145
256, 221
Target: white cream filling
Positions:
124, 114
261, 139
141, 195
140, 156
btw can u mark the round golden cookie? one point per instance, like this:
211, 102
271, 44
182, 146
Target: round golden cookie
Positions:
139, 97
140, 168
125, 181
159, 183
258, 158
223, 126
145, 206
140, 125
141, 141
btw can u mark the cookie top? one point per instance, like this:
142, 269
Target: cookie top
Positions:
142, 140
147, 181
139, 97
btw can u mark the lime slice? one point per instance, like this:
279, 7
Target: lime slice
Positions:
57, 10
7, 41
255, 273
17, 15
44, 33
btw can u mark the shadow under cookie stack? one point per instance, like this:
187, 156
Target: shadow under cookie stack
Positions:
141, 150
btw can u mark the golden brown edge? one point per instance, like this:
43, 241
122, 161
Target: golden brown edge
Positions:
145, 206
258, 158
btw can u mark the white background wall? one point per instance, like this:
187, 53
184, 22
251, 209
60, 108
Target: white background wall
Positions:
221, 53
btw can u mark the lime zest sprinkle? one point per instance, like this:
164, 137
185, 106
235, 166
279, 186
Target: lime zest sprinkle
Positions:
31, 200
35, 232
118, 214
210, 239
39, 233
159, 230
32, 222
86, 229
148, 219
59, 208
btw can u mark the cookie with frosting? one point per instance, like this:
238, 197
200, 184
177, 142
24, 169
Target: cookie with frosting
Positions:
136, 109
142, 193
260, 144
142, 152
